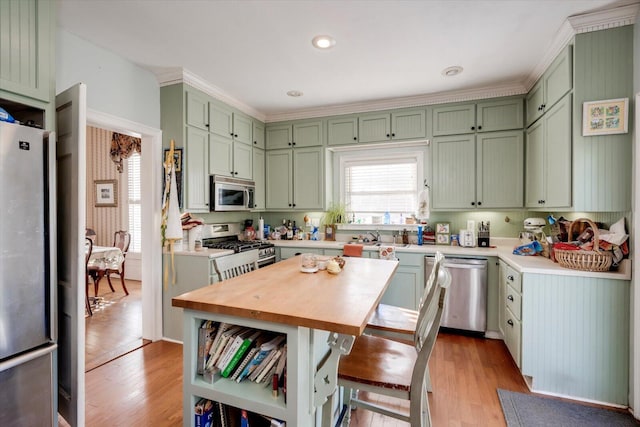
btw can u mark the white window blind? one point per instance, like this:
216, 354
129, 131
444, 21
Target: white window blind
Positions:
134, 202
381, 185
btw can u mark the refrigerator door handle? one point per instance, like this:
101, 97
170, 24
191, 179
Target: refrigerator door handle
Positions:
26, 357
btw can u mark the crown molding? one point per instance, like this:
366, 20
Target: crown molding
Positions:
508, 89
602, 20
594, 21
181, 75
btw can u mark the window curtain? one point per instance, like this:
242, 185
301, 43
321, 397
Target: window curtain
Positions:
122, 147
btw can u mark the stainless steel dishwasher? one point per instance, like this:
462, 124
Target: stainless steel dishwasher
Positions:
466, 304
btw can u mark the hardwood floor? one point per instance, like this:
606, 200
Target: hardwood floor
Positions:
116, 325
144, 387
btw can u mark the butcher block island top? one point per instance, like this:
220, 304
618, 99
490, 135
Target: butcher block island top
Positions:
281, 293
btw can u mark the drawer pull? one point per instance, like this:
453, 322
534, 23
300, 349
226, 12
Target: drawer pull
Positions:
510, 278
510, 322
510, 298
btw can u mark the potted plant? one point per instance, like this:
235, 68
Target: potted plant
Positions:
336, 214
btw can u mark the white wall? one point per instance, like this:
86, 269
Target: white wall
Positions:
115, 85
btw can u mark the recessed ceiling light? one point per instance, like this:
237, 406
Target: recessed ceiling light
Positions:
295, 93
323, 42
452, 71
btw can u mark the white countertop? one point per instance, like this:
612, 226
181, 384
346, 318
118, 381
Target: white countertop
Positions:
502, 248
205, 252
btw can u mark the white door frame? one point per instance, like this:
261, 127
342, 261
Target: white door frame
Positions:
151, 180
635, 291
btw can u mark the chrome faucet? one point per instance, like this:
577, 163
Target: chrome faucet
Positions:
376, 237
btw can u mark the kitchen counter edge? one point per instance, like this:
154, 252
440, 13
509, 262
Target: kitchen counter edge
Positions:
502, 248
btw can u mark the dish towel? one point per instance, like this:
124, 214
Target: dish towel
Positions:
353, 250
423, 204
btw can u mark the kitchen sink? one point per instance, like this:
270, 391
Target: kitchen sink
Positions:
395, 245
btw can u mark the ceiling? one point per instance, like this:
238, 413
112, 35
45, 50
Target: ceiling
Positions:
254, 51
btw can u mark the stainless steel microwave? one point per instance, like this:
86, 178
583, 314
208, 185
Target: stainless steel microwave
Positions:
230, 194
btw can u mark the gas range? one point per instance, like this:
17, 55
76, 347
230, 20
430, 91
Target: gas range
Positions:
225, 236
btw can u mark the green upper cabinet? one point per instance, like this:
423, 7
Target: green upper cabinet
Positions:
27, 45
197, 110
279, 181
242, 129
488, 116
216, 138
556, 81
342, 130
306, 133
258, 135
548, 153
454, 172
295, 178
279, 136
259, 177
395, 126
478, 171
196, 178
230, 158
220, 120
505, 114
454, 119
500, 164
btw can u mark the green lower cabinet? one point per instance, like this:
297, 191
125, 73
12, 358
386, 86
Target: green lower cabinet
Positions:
575, 336
407, 285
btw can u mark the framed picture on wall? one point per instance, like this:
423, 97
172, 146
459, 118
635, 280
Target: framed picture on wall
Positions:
106, 193
605, 117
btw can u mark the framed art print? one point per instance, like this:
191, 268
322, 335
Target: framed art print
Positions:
106, 193
605, 117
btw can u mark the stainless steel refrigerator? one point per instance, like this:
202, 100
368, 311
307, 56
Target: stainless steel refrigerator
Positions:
27, 292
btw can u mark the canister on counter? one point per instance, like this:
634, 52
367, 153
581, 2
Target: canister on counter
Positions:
454, 240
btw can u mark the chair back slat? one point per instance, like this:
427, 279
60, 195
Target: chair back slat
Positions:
88, 249
121, 240
235, 265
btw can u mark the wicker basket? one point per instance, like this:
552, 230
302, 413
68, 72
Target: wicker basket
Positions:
595, 260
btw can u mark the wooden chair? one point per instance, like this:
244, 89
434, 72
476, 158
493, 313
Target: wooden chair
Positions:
87, 254
234, 265
388, 367
395, 322
121, 240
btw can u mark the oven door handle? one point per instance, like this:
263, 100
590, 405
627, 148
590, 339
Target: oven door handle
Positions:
267, 261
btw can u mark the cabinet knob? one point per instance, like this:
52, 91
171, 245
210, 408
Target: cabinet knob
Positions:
387, 135
206, 125
294, 205
355, 138
479, 127
473, 128
289, 204
510, 322
510, 278
393, 135
544, 106
231, 133
473, 203
289, 143
235, 135
255, 142
293, 143
510, 297
479, 203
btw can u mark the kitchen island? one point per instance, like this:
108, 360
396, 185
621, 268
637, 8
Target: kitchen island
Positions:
280, 298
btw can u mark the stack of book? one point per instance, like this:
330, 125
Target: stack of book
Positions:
215, 414
240, 353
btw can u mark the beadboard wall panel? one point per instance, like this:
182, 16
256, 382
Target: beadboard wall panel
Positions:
104, 220
603, 69
575, 336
